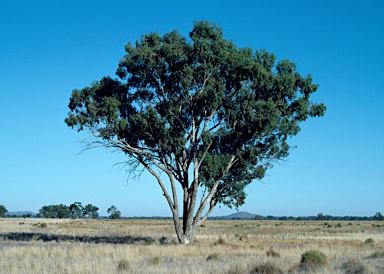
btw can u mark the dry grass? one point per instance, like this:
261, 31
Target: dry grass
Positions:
84, 246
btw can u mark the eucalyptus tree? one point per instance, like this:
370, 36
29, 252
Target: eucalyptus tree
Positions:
208, 115
114, 213
3, 211
90, 211
76, 210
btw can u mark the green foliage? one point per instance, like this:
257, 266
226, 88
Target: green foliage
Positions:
313, 259
3, 211
55, 211
320, 216
76, 210
90, 211
378, 217
369, 241
197, 102
114, 213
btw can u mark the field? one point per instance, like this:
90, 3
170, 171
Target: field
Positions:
148, 246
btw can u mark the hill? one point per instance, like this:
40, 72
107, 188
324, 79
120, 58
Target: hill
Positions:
20, 213
241, 215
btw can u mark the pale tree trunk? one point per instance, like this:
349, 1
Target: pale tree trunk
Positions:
186, 234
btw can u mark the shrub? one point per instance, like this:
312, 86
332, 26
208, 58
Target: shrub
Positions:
43, 225
272, 253
123, 265
267, 268
154, 261
213, 256
377, 255
166, 241
313, 259
369, 241
354, 266
220, 241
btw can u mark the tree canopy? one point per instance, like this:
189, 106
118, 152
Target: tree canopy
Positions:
210, 116
114, 213
3, 211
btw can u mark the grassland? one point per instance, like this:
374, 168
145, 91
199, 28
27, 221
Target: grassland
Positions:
148, 246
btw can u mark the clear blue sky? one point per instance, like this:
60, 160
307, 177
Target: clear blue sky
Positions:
49, 48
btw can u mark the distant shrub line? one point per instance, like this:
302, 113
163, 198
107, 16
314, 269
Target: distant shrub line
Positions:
84, 239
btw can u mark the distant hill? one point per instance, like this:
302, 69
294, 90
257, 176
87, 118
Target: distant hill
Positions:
20, 213
241, 215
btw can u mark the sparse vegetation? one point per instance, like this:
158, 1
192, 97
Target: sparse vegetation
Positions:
354, 266
377, 255
213, 256
123, 265
104, 246
267, 268
272, 253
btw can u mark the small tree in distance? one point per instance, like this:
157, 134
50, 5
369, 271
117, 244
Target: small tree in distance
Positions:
90, 211
114, 213
208, 115
3, 211
76, 210
378, 216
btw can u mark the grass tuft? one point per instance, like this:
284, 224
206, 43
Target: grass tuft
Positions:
272, 253
213, 256
267, 268
354, 266
220, 241
377, 255
154, 261
123, 265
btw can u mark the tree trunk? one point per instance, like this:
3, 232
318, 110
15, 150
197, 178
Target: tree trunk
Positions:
187, 236
186, 233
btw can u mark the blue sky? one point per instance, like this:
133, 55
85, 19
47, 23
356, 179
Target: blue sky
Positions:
49, 48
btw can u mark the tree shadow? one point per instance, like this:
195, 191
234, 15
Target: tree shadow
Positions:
83, 239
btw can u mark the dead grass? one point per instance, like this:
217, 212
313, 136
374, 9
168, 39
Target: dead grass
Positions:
220, 246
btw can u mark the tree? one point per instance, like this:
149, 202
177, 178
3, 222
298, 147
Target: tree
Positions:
208, 116
55, 211
90, 211
378, 216
320, 216
76, 210
114, 213
3, 211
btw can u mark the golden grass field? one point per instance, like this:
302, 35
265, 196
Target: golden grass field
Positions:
84, 246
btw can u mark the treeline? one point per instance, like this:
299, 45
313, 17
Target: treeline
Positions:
319, 217
74, 211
